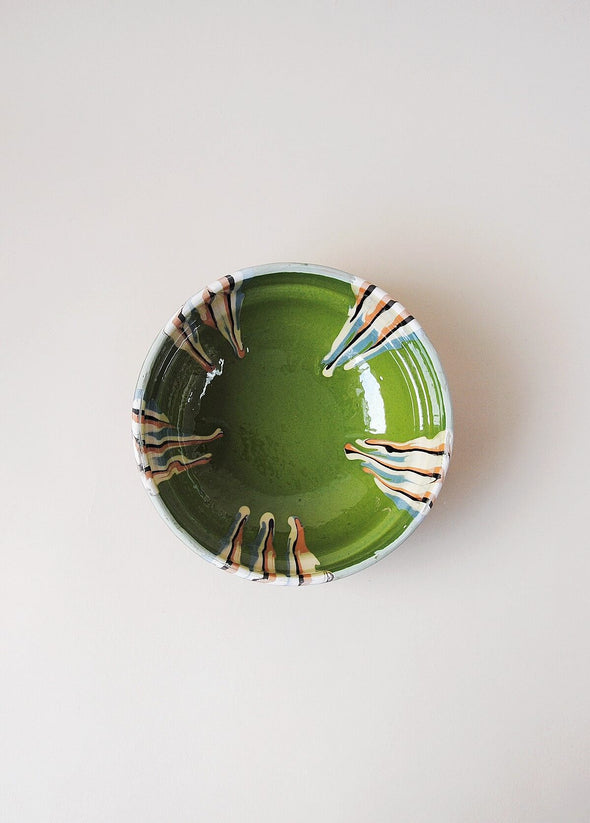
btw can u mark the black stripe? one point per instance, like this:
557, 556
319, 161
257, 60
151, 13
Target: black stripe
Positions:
201, 357
234, 539
231, 318
210, 307
369, 290
408, 495
175, 442
421, 472
391, 449
362, 331
297, 567
271, 525
293, 548
376, 345
146, 416
234, 542
155, 419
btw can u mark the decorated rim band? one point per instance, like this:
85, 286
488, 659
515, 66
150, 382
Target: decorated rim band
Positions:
409, 473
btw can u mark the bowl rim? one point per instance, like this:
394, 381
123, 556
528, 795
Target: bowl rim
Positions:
249, 273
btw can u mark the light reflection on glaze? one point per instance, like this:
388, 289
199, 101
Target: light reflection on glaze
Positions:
373, 405
210, 376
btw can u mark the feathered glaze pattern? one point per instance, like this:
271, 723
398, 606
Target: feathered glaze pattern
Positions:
161, 451
217, 306
375, 323
410, 473
300, 563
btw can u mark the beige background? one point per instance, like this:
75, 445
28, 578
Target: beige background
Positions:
441, 149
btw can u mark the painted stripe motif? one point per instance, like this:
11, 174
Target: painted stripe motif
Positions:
301, 564
411, 473
218, 306
375, 323
160, 447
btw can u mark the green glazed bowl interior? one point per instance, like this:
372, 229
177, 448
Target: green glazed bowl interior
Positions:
292, 423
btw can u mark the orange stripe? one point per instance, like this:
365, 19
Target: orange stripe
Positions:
385, 331
380, 305
156, 424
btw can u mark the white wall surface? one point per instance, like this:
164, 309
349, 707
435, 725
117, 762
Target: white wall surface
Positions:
440, 149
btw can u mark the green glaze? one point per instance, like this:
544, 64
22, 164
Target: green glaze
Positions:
285, 424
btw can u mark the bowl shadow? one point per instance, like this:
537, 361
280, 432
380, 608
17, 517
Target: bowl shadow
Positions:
486, 392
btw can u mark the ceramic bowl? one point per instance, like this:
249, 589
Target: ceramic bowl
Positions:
292, 423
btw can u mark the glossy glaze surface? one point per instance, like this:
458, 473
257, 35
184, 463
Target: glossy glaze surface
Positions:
292, 423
